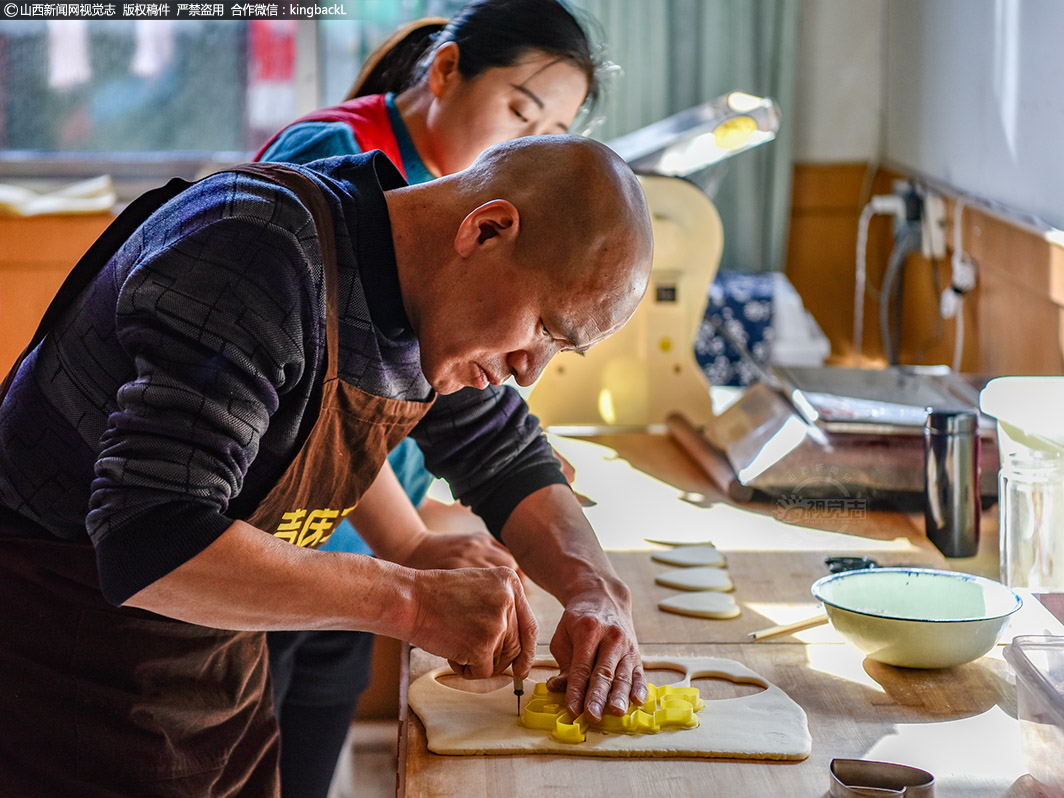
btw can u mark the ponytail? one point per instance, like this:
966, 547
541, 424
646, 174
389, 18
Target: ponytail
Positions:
390, 67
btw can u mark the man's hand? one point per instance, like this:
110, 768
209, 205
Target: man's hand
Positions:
477, 618
596, 650
450, 550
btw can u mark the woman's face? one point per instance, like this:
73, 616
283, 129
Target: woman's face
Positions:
537, 95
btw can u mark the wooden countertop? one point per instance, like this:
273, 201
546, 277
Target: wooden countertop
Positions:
959, 724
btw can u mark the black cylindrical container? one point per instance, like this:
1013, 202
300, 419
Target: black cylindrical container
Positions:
951, 481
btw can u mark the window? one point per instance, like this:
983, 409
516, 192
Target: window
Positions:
141, 95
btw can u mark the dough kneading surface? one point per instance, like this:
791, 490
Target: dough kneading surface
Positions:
765, 725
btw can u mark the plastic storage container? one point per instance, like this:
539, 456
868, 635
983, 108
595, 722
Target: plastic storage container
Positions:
1039, 665
1028, 414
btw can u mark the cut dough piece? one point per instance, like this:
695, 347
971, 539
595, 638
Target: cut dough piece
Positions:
704, 604
687, 556
765, 725
707, 578
663, 542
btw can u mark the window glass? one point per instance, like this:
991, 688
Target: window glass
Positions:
80, 86
85, 89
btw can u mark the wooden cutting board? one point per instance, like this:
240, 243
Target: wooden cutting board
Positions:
763, 725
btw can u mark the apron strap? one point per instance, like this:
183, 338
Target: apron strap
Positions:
311, 196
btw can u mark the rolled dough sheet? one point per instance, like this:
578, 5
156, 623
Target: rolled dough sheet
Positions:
707, 578
688, 556
704, 604
765, 725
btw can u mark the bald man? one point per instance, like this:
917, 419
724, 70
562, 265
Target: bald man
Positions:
217, 385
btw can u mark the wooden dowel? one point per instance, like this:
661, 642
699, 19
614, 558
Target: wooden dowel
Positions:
787, 628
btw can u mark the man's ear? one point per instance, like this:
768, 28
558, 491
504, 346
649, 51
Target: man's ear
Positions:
493, 223
443, 71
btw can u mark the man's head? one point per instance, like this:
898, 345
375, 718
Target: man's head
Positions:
542, 245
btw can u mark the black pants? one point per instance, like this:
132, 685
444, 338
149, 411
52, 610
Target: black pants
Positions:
317, 680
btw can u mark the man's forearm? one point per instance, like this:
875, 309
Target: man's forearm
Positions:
249, 580
476, 618
556, 547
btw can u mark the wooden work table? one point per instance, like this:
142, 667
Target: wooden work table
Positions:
959, 724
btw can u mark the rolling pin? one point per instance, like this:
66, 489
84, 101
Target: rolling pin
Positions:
708, 457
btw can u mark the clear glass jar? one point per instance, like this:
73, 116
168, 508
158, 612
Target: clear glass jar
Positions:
1031, 502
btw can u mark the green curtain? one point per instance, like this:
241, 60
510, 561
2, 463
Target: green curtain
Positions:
675, 54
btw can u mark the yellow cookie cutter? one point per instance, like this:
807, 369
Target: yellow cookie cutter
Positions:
666, 707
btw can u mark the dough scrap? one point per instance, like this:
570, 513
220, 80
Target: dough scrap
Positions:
687, 556
704, 578
765, 725
703, 604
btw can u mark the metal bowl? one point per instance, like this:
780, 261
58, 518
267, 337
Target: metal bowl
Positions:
917, 617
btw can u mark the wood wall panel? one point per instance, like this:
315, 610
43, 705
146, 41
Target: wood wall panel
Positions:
1018, 330
1019, 296
35, 255
821, 253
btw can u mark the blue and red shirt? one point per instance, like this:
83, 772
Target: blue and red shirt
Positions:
356, 126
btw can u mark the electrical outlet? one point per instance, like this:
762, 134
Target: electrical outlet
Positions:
964, 273
932, 217
933, 229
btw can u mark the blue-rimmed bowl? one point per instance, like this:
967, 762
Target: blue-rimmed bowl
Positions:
917, 617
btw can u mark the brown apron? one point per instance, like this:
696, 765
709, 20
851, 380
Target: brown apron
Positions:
97, 700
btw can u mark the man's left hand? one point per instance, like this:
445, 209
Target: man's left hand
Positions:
595, 648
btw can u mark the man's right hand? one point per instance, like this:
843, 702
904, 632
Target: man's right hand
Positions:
479, 619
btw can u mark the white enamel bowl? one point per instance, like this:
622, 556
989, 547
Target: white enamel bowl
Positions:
915, 617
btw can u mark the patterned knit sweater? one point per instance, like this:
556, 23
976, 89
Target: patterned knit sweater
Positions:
171, 396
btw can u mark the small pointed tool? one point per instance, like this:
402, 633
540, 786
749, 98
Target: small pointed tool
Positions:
519, 690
